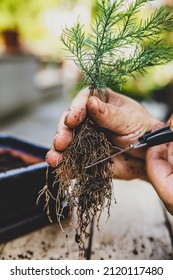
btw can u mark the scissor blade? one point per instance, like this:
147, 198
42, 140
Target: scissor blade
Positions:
130, 147
111, 156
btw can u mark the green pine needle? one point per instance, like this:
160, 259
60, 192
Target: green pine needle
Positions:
103, 55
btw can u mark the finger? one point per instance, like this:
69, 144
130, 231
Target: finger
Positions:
117, 99
158, 167
158, 126
77, 110
127, 167
157, 153
170, 154
122, 141
116, 122
160, 173
170, 122
106, 115
53, 158
63, 135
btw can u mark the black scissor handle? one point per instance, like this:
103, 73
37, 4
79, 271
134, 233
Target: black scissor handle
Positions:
161, 136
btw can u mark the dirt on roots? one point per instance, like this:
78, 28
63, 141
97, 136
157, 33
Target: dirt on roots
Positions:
89, 191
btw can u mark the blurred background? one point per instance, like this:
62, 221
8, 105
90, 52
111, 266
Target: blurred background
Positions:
37, 83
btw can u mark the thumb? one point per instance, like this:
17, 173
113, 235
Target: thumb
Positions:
106, 115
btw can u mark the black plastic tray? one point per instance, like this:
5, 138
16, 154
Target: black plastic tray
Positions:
19, 189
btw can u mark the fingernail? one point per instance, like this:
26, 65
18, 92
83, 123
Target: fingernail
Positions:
46, 157
67, 114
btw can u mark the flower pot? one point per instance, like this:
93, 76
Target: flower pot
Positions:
21, 179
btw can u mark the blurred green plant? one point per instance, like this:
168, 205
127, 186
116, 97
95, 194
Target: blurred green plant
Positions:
30, 19
23, 15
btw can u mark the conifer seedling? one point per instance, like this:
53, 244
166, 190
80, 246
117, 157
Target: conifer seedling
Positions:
101, 56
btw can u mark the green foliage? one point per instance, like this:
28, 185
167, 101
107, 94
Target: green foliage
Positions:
118, 45
21, 14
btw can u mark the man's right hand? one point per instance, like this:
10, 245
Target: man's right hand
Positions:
124, 121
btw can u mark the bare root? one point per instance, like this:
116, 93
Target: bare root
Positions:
87, 190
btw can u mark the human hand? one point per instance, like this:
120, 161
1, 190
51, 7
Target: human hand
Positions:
159, 161
124, 121
169, 3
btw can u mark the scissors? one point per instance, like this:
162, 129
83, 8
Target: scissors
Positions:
158, 137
